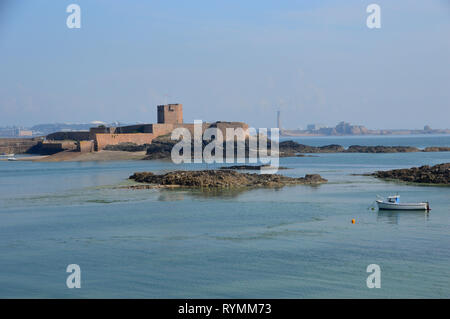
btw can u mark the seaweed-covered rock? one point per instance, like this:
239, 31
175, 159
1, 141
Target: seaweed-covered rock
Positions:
253, 167
223, 179
381, 149
437, 149
438, 174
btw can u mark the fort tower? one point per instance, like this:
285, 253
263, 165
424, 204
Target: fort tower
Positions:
170, 114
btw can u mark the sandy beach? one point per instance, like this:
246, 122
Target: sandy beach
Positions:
70, 156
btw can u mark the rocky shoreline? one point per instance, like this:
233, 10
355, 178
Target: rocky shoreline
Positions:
288, 148
253, 167
436, 175
161, 149
220, 179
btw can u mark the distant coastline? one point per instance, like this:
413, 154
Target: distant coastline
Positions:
359, 132
297, 133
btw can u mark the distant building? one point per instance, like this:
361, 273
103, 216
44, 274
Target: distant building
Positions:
25, 133
15, 132
344, 128
315, 127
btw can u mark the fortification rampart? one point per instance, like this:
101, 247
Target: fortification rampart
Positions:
170, 117
18, 145
85, 146
103, 139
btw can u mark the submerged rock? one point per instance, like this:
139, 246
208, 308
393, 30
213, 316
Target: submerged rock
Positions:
223, 179
438, 174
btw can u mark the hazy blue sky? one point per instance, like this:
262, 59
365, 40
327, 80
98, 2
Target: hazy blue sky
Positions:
227, 60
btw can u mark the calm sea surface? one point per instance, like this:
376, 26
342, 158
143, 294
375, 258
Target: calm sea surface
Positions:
294, 242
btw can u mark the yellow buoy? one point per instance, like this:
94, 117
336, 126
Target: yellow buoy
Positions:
353, 221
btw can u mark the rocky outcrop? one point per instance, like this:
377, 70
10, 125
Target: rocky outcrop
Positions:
252, 167
223, 179
438, 174
381, 149
74, 136
437, 149
161, 148
291, 148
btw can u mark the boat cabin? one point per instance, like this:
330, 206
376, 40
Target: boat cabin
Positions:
394, 199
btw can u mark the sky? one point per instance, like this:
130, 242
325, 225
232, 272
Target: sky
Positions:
316, 61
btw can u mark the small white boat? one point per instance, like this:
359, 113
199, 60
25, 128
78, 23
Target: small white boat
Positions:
12, 159
393, 203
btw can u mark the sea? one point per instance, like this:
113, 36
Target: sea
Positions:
291, 242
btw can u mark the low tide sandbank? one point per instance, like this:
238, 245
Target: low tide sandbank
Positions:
71, 156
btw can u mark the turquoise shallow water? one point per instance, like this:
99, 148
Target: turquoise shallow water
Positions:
294, 242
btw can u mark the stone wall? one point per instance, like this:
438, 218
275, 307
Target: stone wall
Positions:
52, 147
69, 145
18, 145
85, 146
190, 127
162, 129
103, 139
224, 125
100, 129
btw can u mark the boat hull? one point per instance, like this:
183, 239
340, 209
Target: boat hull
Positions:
402, 206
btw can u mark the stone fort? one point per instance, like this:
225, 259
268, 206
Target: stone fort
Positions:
169, 116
